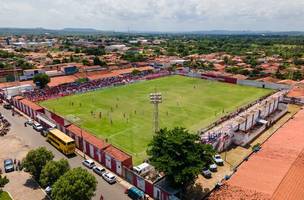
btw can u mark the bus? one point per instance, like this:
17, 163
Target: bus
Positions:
61, 141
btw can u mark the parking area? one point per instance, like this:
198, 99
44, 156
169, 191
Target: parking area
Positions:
21, 185
21, 139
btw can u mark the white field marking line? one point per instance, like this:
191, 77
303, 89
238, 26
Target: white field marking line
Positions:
9, 194
120, 132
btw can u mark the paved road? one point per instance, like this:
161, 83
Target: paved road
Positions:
34, 140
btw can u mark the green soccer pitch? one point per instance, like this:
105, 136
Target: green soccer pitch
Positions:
124, 114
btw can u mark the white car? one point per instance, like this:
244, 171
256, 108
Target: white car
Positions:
213, 167
99, 170
48, 189
29, 122
109, 177
218, 160
37, 126
88, 163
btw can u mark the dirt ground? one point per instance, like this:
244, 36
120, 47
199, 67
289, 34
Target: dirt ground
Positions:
21, 186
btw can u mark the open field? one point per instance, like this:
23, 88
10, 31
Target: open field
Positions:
124, 115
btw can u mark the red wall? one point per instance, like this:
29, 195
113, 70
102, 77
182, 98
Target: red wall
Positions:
96, 154
57, 119
113, 163
128, 163
103, 158
149, 188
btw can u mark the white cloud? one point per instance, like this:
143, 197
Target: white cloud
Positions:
167, 15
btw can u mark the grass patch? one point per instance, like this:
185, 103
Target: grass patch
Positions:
4, 196
124, 114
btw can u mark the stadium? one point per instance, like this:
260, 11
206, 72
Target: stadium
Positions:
123, 116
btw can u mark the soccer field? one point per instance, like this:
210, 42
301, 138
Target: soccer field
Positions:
124, 114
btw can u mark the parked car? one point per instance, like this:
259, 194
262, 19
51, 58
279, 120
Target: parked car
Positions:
7, 106
256, 148
218, 160
143, 168
88, 163
99, 170
109, 177
213, 167
37, 126
8, 165
29, 122
206, 173
44, 132
48, 190
135, 193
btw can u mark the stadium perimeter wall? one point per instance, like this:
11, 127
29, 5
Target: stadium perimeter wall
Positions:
259, 84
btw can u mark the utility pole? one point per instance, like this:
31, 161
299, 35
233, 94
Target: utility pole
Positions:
84, 156
155, 99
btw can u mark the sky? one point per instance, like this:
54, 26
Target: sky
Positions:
155, 15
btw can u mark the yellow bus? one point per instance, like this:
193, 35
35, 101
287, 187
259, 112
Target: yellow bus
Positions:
61, 141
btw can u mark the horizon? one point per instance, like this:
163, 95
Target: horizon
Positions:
155, 16
88, 29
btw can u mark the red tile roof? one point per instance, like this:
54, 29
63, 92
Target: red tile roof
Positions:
292, 185
30, 104
117, 154
12, 84
97, 142
61, 80
18, 97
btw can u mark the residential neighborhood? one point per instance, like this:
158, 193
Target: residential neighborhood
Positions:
166, 100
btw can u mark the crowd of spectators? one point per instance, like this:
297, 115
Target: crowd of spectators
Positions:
77, 87
72, 88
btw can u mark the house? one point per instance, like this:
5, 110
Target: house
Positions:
30, 73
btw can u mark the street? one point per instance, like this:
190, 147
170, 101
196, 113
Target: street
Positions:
34, 139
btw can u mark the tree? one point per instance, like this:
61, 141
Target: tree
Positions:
85, 62
99, 62
226, 60
41, 80
52, 171
35, 160
76, 184
49, 55
135, 72
179, 155
56, 61
3, 181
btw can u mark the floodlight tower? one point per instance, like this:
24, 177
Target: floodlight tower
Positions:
155, 99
